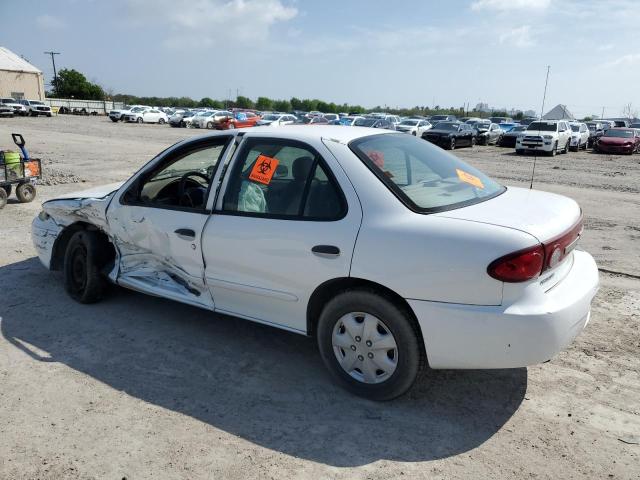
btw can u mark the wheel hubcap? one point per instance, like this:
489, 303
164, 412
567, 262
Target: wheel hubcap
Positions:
365, 347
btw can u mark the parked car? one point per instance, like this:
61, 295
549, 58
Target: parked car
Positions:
501, 119
635, 125
392, 253
607, 124
18, 108
6, 111
210, 119
373, 122
331, 117
527, 120
548, 136
147, 115
178, 119
415, 127
595, 130
36, 108
618, 140
451, 135
349, 120
238, 120
312, 121
579, 136
620, 123
487, 132
442, 118
509, 138
277, 119
119, 115
507, 127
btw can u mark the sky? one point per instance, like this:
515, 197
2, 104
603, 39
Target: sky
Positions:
396, 53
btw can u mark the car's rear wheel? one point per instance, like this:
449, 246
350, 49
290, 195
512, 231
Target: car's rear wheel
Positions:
139, 120
452, 144
161, 121
209, 125
3, 198
25, 192
473, 141
370, 345
83, 261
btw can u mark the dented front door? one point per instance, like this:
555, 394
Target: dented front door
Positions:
157, 221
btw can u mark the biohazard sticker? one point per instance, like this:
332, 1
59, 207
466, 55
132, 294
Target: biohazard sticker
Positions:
470, 179
263, 169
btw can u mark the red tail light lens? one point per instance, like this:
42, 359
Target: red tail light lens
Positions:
519, 266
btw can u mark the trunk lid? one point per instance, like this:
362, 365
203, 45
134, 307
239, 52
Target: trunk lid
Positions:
541, 214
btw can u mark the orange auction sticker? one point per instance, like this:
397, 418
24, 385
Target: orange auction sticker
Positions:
468, 178
263, 169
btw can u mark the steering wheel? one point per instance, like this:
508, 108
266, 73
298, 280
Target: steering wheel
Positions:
184, 197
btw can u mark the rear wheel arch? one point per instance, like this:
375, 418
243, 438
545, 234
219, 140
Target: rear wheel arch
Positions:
329, 289
61, 243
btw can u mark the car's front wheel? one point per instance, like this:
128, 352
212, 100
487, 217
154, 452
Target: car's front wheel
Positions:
139, 120
370, 345
83, 260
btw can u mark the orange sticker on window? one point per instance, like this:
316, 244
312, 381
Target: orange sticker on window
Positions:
263, 169
470, 179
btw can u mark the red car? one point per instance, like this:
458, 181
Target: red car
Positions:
618, 140
239, 120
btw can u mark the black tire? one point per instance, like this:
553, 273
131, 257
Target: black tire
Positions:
7, 188
209, 125
566, 147
83, 261
452, 144
411, 359
114, 120
161, 121
3, 198
48, 114
473, 141
519, 151
554, 151
139, 120
25, 192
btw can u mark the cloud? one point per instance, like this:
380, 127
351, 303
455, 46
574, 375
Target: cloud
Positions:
50, 22
520, 37
507, 5
205, 23
625, 60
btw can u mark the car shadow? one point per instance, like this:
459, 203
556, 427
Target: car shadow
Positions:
259, 383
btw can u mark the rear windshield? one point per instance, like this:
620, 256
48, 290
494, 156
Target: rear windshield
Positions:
423, 176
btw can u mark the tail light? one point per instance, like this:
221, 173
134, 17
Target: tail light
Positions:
527, 264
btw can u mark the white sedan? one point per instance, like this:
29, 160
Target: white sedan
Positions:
276, 120
414, 126
146, 115
393, 253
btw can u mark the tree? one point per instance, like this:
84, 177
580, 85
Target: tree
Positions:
207, 102
296, 103
243, 102
282, 106
264, 103
73, 84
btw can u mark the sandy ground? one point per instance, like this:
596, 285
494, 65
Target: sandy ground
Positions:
138, 387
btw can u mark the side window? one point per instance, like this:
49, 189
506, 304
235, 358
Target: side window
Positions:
282, 179
182, 181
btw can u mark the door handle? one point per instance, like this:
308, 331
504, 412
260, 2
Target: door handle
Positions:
186, 233
326, 250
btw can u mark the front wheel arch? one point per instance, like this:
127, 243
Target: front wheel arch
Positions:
61, 243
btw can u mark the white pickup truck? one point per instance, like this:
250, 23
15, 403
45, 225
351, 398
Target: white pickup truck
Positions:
548, 136
116, 115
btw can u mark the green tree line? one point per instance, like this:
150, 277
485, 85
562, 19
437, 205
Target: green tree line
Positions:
73, 84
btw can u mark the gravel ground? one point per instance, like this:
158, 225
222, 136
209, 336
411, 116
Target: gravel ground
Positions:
139, 387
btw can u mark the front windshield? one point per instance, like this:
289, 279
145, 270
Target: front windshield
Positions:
365, 122
425, 177
619, 133
575, 128
543, 126
446, 126
409, 123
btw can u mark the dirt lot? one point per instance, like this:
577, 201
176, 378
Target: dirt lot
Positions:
138, 387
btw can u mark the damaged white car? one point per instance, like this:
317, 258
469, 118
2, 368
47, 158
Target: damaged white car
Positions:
394, 254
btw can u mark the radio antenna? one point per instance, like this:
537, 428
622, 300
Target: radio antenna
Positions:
544, 97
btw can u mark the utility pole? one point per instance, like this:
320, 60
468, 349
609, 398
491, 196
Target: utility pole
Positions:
602, 116
55, 73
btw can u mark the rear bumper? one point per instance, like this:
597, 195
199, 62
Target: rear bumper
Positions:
531, 330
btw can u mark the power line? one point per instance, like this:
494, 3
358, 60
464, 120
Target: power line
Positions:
55, 73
